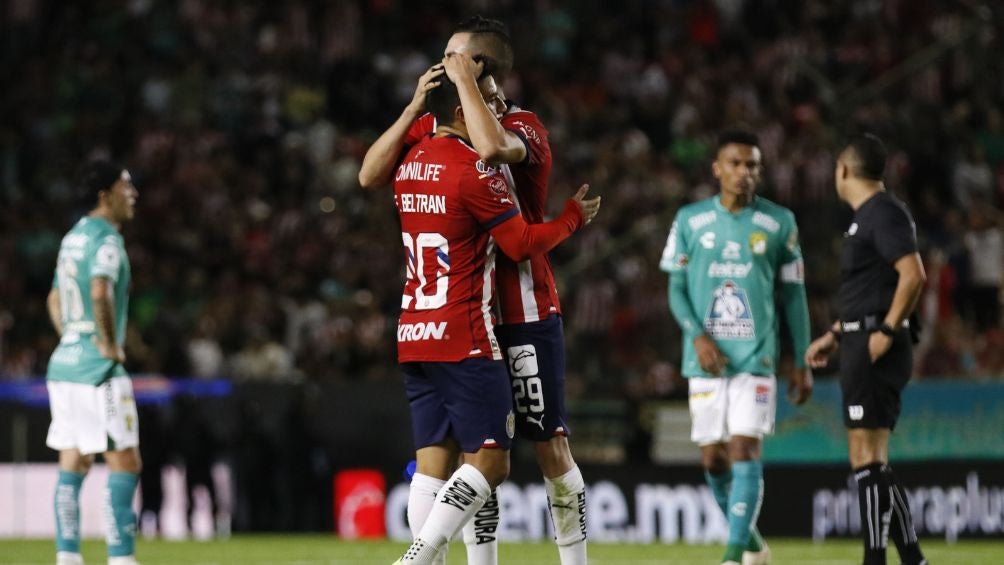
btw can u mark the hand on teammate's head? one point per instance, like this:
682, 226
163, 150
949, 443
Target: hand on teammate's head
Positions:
426, 82
460, 65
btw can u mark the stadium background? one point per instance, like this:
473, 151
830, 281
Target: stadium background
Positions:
266, 282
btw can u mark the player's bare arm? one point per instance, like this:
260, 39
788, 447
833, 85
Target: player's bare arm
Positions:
103, 299
494, 144
55, 315
908, 289
378, 163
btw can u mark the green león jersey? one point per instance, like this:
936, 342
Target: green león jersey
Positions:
92, 248
723, 268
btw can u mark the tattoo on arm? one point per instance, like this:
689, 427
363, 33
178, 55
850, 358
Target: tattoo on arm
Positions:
104, 308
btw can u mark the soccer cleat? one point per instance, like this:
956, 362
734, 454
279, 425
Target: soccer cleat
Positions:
731, 563
123, 560
67, 558
761, 557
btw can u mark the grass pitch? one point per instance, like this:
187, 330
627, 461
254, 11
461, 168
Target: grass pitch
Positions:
327, 550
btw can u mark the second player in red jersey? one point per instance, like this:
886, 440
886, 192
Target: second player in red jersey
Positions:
526, 289
532, 328
453, 210
451, 205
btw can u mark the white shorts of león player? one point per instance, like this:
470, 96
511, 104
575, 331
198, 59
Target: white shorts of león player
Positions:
741, 405
86, 417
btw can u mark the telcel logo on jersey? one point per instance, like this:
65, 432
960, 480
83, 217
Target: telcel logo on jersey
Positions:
421, 331
729, 270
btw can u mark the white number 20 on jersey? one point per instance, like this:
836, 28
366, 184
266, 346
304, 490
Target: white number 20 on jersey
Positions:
428, 258
71, 301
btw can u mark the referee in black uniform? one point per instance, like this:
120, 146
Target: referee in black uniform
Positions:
881, 280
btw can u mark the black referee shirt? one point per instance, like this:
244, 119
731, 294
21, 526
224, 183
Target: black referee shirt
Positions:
882, 232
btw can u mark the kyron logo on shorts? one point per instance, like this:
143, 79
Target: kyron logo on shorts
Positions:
856, 412
522, 360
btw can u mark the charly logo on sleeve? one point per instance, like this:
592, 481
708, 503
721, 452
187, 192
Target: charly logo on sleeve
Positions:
707, 240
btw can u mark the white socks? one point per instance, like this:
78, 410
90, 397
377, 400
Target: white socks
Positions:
480, 535
463, 494
567, 501
421, 497
437, 509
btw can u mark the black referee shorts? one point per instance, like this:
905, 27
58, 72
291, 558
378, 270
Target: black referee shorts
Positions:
871, 392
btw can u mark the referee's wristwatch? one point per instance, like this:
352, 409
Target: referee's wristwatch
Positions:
887, 330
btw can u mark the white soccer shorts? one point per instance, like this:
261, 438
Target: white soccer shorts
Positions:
742, 405
85, 416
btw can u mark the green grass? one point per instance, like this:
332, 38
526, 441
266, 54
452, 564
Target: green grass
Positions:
326, 550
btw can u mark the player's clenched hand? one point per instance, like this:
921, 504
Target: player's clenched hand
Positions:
589, 207
426, 82
461, 65
818, 353
711, 358
111, 351
800, 386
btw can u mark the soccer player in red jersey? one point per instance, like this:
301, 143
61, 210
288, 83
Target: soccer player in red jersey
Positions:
454, 210
531, 331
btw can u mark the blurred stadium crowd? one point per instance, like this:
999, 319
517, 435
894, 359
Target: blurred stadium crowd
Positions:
256, 255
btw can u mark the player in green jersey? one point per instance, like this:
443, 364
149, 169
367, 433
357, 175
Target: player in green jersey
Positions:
724, 256
90, 395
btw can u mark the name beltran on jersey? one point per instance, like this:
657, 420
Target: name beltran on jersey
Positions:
422, 203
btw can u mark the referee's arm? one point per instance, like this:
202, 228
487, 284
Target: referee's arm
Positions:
908, 288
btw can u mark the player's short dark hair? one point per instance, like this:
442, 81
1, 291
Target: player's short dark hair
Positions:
492, 39
867, 156
442, 100
740, 136
96, 176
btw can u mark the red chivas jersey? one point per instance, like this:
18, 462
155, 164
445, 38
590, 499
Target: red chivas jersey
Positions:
448, 200
527, 292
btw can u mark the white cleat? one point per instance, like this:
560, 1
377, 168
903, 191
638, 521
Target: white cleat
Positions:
730, 563
67, 558
761, 557
125, 560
